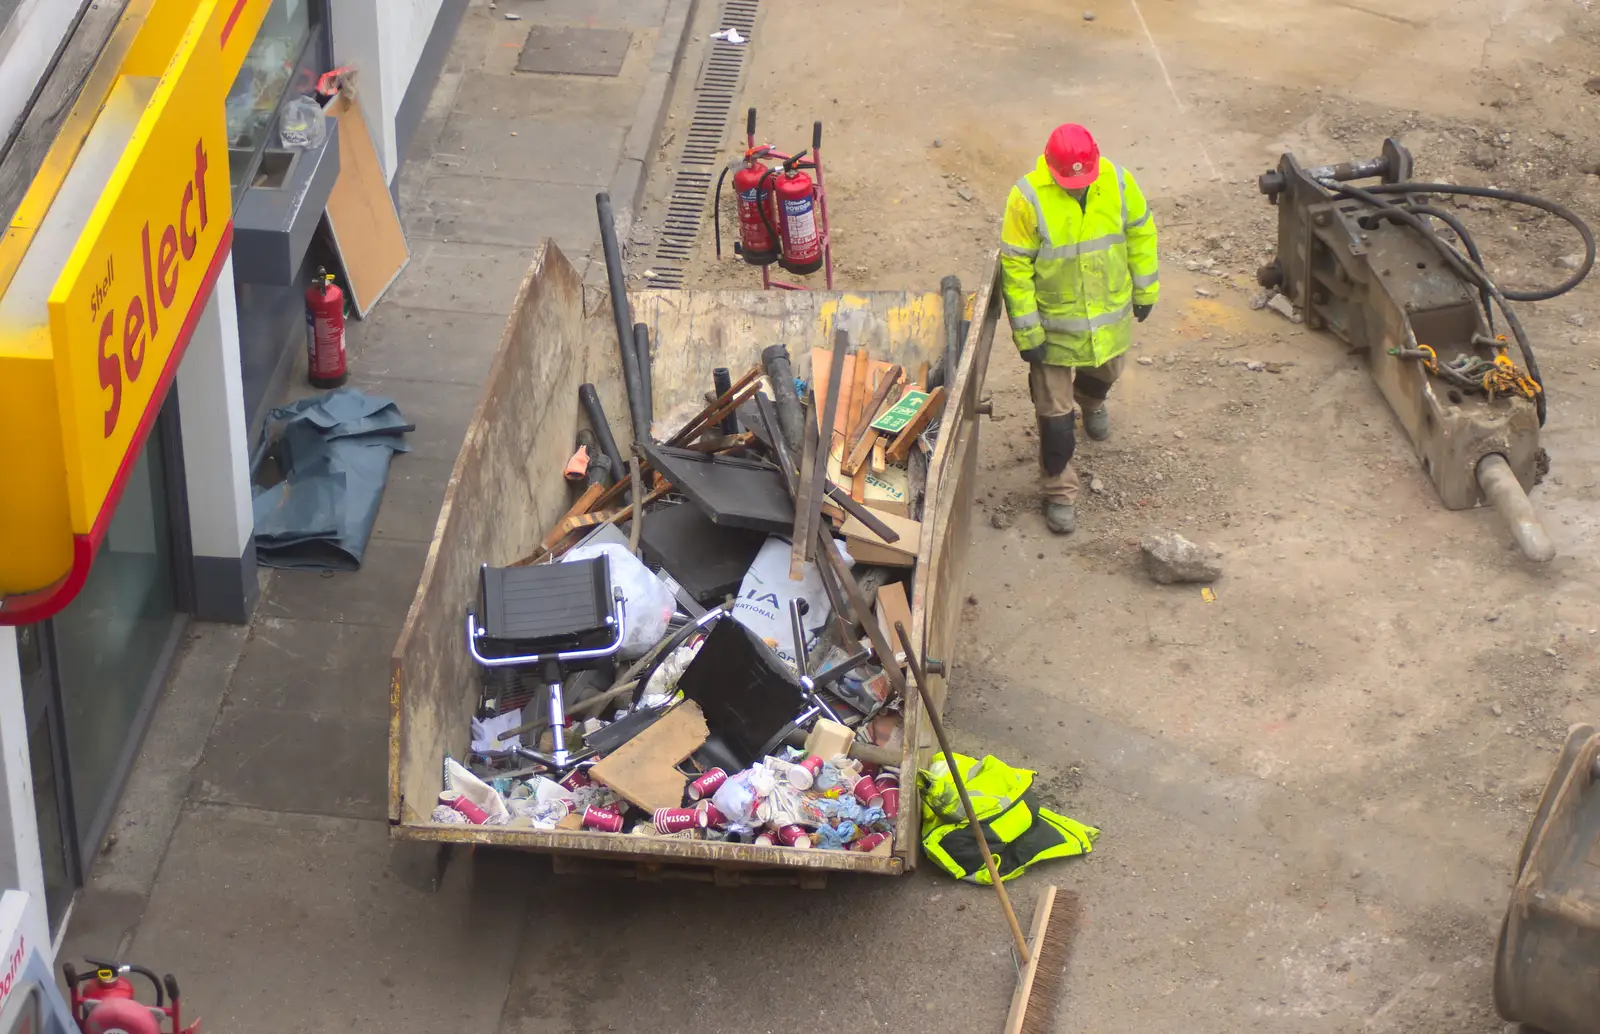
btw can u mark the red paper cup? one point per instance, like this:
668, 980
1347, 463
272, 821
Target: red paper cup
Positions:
603, 819
460, 802
707, 784
868, 842
813, 764
713, 814
866, 791
577, 779
868, 769
764, 839
676, 820
891, 801
886, 780
794, 836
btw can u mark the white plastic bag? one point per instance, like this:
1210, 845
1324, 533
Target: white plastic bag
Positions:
650, 603
300, 123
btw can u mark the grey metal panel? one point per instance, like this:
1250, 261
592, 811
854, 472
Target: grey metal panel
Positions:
274, 225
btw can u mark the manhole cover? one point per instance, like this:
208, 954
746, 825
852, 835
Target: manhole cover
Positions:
574, 51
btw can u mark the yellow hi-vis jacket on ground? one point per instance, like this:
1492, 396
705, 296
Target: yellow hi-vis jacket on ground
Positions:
1019, 832
1072, 275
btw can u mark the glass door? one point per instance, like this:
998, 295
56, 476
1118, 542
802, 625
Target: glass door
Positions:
52, 802
112, 644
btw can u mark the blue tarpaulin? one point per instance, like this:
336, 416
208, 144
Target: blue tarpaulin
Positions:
334, 450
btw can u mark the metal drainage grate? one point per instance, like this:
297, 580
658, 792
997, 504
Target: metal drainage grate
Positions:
700, 159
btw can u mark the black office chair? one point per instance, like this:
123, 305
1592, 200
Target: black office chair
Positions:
547, 620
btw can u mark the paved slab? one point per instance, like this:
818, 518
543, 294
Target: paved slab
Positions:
495, 210
321, 667
461, 276
378, 594
425, 344
411, 502
295, 923
298, 761
441, 410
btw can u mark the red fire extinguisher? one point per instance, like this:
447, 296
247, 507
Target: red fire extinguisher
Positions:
796, 197
325, 364
752, 191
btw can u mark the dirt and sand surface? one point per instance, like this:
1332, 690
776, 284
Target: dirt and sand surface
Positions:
1312, 789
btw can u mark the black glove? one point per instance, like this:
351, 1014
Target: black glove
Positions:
1033, 356
1141, 311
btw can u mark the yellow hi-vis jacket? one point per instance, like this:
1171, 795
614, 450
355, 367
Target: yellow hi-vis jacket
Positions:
1019, 832
1072, 275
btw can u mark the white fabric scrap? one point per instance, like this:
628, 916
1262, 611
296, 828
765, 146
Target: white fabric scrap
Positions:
730, 35
486, 732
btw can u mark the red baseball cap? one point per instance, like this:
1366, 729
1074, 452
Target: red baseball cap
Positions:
1072, 156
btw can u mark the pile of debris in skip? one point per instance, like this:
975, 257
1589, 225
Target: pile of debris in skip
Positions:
713, 643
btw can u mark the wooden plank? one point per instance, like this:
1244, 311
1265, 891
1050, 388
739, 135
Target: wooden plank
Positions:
901, 446
644, 771
361, 213
887, 383
867, 547
893, 606
821, 377
880, 456
585, 501
858, 402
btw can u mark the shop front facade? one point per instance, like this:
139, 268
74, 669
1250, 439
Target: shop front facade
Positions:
151, 312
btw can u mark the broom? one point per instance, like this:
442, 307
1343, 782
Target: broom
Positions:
1044, 955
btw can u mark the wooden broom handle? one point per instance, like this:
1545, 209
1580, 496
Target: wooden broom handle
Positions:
961, 788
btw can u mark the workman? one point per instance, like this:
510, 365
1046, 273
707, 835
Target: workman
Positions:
1078, 266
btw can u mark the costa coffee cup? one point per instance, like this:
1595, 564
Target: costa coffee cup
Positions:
460, 802
603, 819
868, 842
891, 801
764, 839
886, 780
866, 791
707, 784
813, 764
676, 820
713, 815
794, 836
577, 779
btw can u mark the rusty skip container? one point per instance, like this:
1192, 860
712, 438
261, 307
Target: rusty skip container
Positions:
1547, 967
506, 491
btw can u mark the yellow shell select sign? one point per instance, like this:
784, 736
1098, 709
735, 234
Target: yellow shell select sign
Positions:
125, 303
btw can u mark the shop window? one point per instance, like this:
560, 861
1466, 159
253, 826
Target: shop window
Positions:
112, 640
283, 62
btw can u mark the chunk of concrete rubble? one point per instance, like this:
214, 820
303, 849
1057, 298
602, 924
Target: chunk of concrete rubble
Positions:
1169, 558
1281, 305
1574, 261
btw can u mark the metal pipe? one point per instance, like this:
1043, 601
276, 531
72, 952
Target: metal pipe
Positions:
641, 346
721, 381
1351, 170
619, 311
590, 400
775, 361
954, 309
1500, 484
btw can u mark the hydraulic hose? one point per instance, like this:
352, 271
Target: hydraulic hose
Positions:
1515, 197
1471, 269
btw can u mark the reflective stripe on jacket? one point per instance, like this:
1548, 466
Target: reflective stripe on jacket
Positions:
1019, 832
1071, 275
